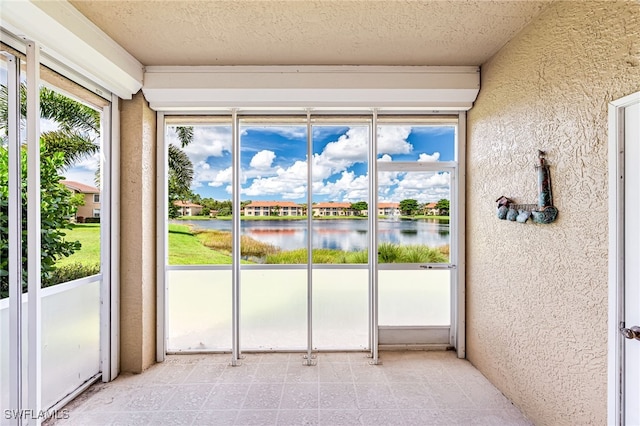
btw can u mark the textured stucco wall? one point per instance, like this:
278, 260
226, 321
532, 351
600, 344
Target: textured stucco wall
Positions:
537, 294
137, 235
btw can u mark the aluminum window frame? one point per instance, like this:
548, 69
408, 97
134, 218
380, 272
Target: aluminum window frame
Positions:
373, 117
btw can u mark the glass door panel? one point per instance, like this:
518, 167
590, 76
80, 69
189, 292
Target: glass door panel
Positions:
340, 235
273, 179
199, 277
416, 172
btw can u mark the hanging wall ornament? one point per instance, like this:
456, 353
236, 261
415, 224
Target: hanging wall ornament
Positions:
544, 212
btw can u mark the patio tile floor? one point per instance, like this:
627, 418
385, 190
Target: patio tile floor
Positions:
407, 388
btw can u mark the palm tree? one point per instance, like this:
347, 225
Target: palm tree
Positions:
78, 125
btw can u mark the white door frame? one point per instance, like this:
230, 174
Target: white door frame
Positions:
615, 395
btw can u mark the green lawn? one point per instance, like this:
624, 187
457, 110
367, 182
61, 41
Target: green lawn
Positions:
89, 236
186, 249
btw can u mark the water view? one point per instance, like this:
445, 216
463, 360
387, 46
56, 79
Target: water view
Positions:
344, 235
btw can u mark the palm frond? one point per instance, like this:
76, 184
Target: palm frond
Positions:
73, 145
181, 167
69, 114
185, 135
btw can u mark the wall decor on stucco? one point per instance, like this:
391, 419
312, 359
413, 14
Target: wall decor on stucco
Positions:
543, 212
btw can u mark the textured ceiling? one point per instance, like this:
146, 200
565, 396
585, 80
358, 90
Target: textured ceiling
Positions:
311, 32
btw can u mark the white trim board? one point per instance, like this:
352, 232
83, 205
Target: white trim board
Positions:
70, 38
615, 404
337, 88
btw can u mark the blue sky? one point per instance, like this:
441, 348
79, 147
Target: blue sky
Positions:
274, 162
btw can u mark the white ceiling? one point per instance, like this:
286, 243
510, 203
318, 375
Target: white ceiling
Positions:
311, 32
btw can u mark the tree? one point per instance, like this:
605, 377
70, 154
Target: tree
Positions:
359, 206
443, 207
180, 169
409, 206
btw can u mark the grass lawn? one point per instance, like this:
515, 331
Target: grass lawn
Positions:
89, 236
186, 249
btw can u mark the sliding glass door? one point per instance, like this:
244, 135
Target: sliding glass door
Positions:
416, 184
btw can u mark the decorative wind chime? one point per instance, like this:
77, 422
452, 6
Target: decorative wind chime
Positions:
543, 212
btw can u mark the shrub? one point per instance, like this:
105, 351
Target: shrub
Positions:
55, 209
222, 241
422, 254
92, 220
71, 272
388, 253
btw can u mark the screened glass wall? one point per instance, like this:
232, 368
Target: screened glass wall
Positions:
329, 243
52, 278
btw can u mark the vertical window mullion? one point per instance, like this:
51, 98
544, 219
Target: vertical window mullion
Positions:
235, 245
373, 236
309, 360
15, 235
33, 229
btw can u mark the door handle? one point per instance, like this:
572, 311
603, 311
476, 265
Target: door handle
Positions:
631, 333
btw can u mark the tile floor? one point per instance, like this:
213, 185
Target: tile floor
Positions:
408, 388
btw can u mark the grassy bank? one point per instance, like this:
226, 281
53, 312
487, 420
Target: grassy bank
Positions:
187, 249
387, 253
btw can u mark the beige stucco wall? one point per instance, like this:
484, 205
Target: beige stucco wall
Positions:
137, 231
537, 294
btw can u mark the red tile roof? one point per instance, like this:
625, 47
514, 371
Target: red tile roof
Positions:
80, 187
388, 205
185, 204
332, 205
272, 204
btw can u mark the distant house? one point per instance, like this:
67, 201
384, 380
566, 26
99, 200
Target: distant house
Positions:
388, 209
431, 209
91, 207
333, 209
273, 208
186, 208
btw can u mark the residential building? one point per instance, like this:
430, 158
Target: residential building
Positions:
431, 210
186, 208
91, 198
333, 209
273, 208
388, 209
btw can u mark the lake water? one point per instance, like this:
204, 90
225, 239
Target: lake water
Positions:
345, 235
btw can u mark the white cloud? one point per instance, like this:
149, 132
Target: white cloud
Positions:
208, 141
336, 158
220, 177
429, 158
348, 187
263, 160
423, 186
393, 139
